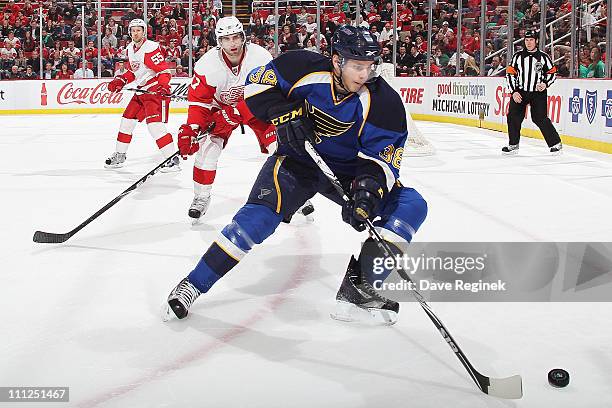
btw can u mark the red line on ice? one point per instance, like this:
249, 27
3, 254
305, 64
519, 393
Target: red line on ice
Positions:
299, 271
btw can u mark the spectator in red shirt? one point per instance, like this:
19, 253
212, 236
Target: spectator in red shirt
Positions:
11, 7
404, 16
166, 9
420, 44
64, 73
15, 17
197, 19
107, 55
173, 52
371, 17
121, 52
174, 35
470, 42
566, 7
91, 52
337, 16
163, 36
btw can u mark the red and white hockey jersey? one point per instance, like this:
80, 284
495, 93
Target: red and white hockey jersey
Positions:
148, 65
215, 83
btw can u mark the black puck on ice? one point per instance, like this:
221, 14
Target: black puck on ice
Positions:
558, 378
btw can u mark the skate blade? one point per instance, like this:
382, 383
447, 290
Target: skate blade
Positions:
166, 313
512, 153
349, 312
195, 221
559, 153
113, 166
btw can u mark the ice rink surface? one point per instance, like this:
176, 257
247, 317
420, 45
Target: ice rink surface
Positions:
86, 314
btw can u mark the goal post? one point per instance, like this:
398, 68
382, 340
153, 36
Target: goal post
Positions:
416, 144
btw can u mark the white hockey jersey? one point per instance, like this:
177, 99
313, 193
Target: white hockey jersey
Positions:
147, 63
215, 83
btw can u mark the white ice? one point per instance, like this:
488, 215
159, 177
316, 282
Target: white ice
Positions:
85, 314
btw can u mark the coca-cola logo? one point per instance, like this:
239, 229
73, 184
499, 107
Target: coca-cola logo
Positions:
100, 94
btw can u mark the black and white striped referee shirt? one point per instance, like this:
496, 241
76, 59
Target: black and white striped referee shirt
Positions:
527, 69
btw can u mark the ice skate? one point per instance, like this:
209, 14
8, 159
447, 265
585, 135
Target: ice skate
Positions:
557, 149
198, 207
115, 161
510, 150
180, 300
171, 166
357, 300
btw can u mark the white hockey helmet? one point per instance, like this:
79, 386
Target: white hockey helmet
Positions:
228, 26
137, 23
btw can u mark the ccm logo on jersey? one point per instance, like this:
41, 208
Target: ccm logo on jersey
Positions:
288, 116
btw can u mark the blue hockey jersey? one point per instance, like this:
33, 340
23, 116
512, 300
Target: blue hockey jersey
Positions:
362, 130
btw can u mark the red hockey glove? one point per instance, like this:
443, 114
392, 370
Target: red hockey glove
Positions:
187, 142
117, 84
226, 120
159, 89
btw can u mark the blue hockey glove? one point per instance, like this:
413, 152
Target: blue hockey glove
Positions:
366, 193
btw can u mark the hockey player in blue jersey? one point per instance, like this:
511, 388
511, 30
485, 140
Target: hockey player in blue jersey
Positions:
357, 123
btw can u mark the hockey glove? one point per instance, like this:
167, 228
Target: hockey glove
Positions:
187, 142
293, 127
162, 87
366, 194
117, 84
226, 120
159, 89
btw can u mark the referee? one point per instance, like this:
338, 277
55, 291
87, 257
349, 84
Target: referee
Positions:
529, 74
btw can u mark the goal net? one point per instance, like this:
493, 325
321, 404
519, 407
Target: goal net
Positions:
416, 144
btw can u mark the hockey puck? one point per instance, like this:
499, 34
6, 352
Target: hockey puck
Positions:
558, 378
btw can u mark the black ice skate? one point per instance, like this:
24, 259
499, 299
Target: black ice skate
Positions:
510, 149
180, 300
557, 149
356, 299
115, 161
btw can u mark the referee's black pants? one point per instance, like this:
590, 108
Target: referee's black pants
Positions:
539, 116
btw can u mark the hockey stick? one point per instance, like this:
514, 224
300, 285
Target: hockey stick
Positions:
55, 238
144, 91
509, 387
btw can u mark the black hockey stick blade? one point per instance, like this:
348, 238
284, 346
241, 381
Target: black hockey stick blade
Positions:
144, 91
50, 238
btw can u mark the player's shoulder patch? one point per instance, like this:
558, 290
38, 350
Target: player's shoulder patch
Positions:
386, 107
294, 65
263, 75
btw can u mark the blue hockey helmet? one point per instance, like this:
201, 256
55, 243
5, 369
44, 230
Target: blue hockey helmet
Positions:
355, 43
